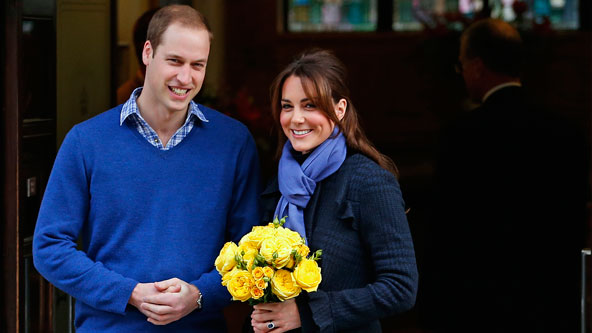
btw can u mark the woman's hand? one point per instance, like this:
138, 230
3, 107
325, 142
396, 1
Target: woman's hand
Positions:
283, 315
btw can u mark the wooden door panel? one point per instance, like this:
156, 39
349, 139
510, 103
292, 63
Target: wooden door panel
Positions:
29, 136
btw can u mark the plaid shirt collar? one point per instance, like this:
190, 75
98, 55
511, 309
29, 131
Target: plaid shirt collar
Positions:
131, 107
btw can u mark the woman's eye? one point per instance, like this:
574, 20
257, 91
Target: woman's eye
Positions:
310, 106
286, 106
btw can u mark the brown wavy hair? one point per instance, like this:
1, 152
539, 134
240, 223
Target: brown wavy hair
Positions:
323, 78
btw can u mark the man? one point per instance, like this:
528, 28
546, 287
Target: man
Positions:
154, 188
510, 206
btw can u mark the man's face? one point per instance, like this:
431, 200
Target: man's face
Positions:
469, 69
175, 71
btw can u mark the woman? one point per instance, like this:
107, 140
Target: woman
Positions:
342, 195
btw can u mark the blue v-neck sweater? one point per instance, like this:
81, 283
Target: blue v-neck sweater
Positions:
144, 215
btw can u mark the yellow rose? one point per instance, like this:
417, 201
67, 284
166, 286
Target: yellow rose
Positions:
303, 250
254, 238
240, 284
278, 247
308, 275
247, 247
225, 260
261, 284
258, 273
284, 286
268, 272
292, 237
290, 263
257, 293
226, 277
249, 256
269, 231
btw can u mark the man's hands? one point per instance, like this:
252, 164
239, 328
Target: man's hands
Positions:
165, 301
143, 290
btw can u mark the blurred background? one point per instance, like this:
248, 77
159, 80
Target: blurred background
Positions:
64, 61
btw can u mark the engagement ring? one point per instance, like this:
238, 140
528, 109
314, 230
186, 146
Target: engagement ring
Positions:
271, 325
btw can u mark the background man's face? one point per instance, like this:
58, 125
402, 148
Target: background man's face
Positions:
469, 71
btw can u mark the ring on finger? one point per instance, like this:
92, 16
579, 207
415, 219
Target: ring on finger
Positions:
270, 325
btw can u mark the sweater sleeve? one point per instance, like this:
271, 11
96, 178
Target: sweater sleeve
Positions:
385, 234
62, 215
244, 213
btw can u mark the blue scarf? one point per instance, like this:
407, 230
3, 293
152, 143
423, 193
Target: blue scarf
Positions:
298, 182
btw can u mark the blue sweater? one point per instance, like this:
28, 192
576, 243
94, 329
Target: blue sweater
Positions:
144, 215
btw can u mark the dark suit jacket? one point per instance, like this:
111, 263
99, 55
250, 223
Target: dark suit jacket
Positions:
508, 222
357, 217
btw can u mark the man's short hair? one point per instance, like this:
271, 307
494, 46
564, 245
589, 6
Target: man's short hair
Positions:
497, 44
182, 14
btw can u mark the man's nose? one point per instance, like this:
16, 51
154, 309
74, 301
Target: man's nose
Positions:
184, 75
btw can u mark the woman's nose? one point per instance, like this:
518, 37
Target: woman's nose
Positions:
298, 116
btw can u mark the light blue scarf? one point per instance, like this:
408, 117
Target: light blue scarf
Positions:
298, 182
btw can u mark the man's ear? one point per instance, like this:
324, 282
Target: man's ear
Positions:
147, 53
340, 108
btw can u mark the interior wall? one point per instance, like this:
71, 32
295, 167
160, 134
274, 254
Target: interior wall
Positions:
83, 61
214, 13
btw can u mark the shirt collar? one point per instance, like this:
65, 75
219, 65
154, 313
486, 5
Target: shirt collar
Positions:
131, 107
500, 86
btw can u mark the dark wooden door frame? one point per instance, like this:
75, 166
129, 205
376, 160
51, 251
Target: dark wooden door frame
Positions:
10, 138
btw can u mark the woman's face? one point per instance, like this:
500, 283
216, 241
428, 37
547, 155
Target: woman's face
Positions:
303, 124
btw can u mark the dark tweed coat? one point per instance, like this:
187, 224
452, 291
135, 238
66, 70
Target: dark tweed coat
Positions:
357, 217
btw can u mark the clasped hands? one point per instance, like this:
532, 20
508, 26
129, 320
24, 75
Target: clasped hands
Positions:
166, 301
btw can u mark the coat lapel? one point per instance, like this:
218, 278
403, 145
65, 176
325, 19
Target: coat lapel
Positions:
309, 212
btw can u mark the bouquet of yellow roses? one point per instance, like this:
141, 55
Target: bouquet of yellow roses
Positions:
270, 264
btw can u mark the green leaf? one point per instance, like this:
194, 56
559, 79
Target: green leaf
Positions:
317, 255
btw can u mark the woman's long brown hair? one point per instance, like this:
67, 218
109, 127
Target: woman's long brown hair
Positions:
323, 79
